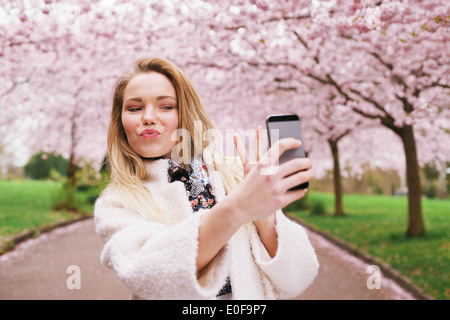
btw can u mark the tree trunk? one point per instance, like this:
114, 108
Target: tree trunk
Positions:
442, 181
338, 208
71, 170
71, 184
415, 219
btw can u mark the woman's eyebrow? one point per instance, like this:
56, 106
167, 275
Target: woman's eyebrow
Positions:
165, 97
134, 99
157, 98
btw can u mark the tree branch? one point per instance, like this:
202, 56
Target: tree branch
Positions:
19, 43
346, 132
437, 84
387, 65
286, 18
272, 19
301, 40
338, 88
14, 85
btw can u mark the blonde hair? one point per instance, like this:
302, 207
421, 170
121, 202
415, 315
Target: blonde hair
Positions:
127, 167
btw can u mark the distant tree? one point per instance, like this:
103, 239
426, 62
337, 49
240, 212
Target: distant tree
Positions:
41, 163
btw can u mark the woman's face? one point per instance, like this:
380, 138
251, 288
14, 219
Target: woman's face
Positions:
150, 114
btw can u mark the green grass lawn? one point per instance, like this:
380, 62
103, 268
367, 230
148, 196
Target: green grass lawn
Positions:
27, 204
377, 225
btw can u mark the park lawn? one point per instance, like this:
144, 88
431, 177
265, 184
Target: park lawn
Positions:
27, 204
377, 224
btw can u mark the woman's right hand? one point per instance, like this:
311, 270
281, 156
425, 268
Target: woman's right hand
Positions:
265, 187
262, 191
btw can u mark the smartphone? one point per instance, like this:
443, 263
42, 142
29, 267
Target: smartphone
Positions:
286, 126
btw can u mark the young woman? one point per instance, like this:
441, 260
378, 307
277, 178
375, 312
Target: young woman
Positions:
179, 220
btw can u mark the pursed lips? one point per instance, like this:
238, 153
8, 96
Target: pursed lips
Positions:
149, 133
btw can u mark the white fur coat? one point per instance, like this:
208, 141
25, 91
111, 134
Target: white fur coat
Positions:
156, 261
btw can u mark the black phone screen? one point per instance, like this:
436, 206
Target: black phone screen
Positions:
286, 126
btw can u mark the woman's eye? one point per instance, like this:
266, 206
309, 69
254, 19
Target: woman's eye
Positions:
134, 109
167, 107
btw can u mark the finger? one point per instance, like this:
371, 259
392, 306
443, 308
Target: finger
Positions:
295, 165
240, 148
294, 195
281, 146
296, 179
258, 146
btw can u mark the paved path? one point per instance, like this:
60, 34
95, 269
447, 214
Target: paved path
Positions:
37, 269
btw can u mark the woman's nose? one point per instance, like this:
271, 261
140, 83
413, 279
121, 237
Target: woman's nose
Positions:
149, 116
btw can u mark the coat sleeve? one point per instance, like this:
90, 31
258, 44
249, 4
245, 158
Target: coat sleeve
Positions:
295, 264
156, 261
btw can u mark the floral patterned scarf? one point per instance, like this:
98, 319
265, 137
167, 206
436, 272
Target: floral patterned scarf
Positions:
199, 191
196, 182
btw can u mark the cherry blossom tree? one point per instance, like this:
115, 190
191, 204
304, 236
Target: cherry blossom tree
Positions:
400, 89
384, 59
344, 66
